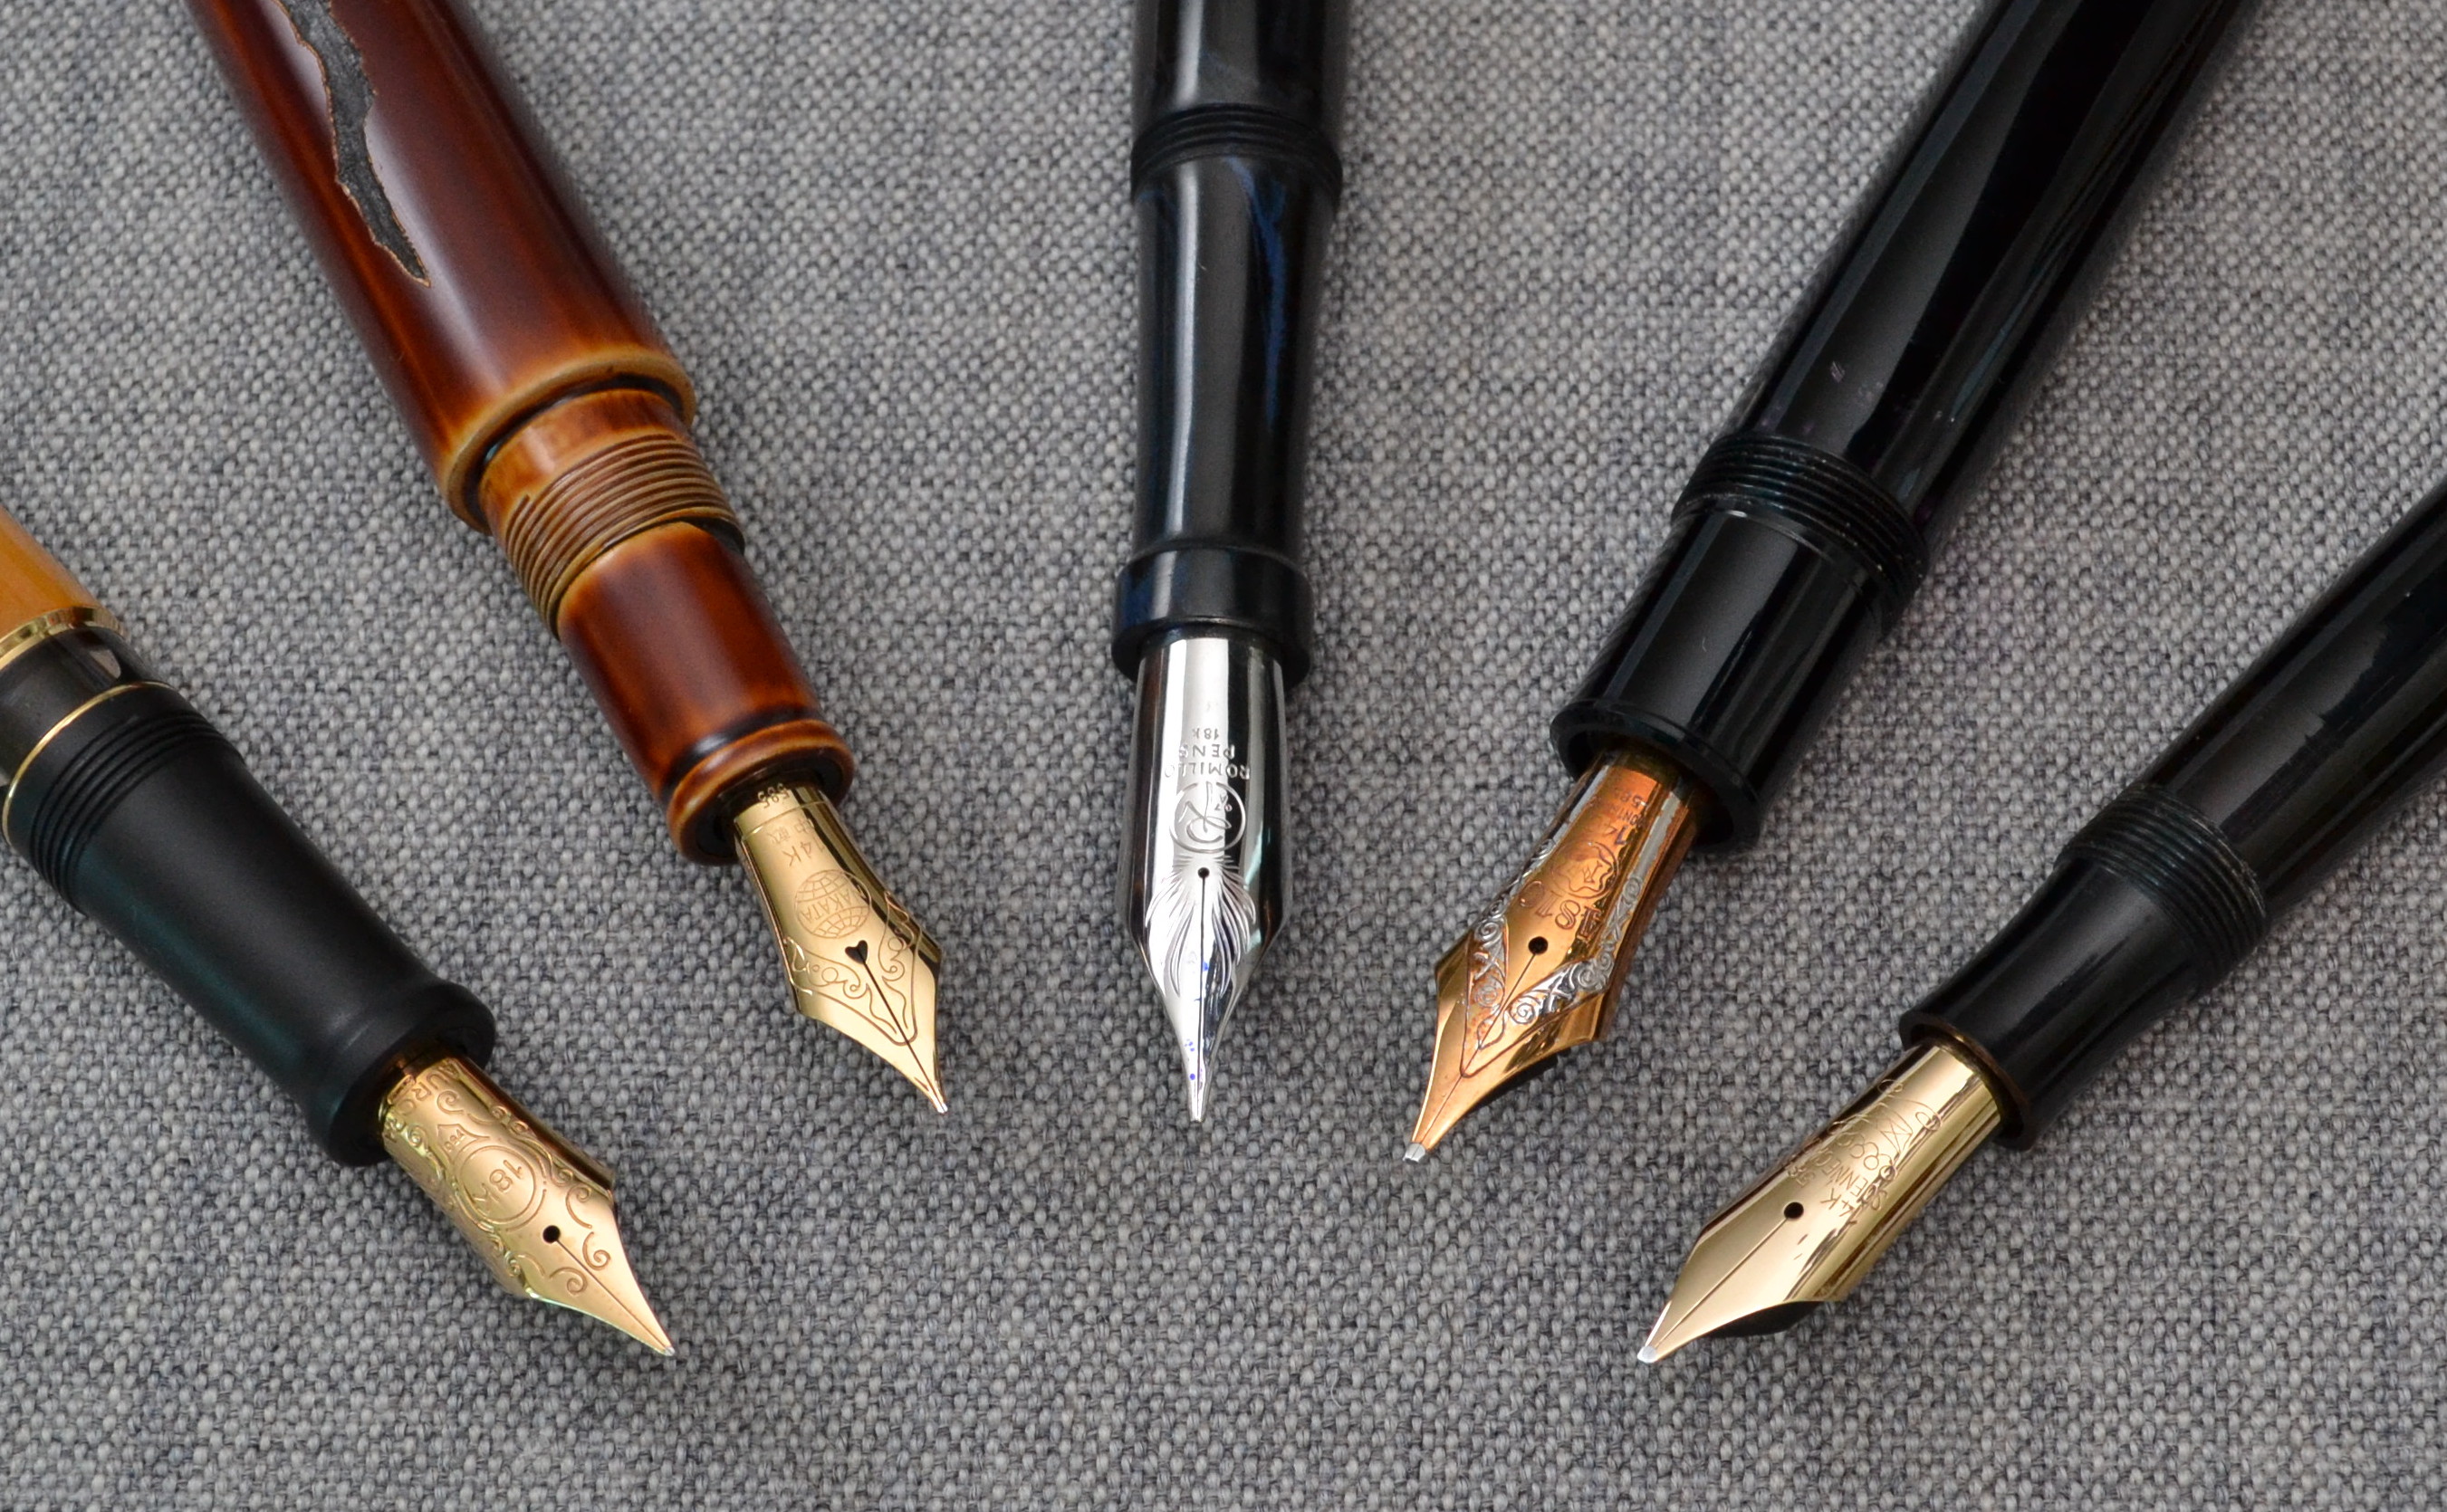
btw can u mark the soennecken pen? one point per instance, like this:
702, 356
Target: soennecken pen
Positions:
2331, 731
1238, 104
555, 417
145, 820
1811, 522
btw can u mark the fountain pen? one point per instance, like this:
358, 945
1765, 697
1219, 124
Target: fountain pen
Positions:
1811, 522
1237, 175
555, 419
2334, 729
136, 811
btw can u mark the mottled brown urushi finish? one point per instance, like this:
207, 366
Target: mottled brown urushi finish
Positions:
706, 708
542, 396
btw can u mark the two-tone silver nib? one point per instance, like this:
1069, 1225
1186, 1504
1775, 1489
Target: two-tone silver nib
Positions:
1203, 869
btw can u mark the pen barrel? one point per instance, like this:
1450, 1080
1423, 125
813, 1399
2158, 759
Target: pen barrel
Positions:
2335, 728
546, 402
147, 821
1809, 524
1236, 172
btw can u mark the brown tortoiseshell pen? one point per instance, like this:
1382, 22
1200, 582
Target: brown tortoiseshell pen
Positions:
555, 419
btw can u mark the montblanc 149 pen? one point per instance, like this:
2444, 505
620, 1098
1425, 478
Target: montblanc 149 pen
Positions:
555, 418
2332, 731
1811, 522
1237, 176
145, 819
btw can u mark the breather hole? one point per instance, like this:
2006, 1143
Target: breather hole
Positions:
552, 1233
1792, 1210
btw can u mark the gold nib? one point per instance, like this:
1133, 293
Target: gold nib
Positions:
1813, 1226
857, 959
536, 1207
1537, 975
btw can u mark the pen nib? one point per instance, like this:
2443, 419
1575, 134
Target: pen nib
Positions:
1537, 974
1202, 886
538, 1208
857, 959
1807, 1232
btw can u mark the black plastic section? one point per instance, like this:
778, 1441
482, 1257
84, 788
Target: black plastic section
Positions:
2339, 724
146, 821
1900, 374
1237, 171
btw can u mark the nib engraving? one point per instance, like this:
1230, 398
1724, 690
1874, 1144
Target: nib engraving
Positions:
1203, 871
535, 1206
1807, 1232
1537, 974
855, 958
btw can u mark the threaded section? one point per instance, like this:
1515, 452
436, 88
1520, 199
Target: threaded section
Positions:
641, 480
1238, 131
97, 778
1759, 472
2163, 846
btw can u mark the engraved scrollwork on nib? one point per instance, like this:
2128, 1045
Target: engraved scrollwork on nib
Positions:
857, 960
535, 1206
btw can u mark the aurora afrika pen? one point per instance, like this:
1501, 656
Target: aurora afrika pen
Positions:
2336, 726
1811, 522
555, 419
1237, 175
145, 821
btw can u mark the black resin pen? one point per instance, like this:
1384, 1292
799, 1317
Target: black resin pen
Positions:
2332, 731
144, 817
1811, 521
1237, 175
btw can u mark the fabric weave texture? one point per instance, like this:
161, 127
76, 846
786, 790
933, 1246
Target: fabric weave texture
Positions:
894, 243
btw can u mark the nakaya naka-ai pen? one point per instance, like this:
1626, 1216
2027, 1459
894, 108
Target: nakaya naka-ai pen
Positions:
145, 819
1811, 521
1237, 175
555, 419
2332, 731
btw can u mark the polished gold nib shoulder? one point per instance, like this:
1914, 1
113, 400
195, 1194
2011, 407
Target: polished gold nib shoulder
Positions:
1538, 972
857, 959
536, 1207
1811, 1228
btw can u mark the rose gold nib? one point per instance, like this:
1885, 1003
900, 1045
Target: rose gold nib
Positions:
534, 1205
1817, 1223
857, 959
1538, 974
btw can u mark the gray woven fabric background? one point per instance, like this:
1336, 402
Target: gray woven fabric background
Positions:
893, 242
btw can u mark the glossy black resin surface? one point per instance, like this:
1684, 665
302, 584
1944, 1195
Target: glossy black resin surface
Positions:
1811, 521
1237, 171
2332, 731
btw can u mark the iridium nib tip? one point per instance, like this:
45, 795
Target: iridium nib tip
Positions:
538, 1208
1203, 866
1537, 974
1807, 1232
855, 958
1417, 1153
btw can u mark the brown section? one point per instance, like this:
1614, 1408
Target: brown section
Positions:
32, 584
675, 637
587, 474
519, 300
544, 398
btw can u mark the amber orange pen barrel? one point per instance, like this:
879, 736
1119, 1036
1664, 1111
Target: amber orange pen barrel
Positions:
555, 419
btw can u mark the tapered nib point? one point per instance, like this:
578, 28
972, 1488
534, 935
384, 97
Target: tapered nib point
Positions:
1202, 866
538, 1208
855, 958
1538, 974
1807, 1232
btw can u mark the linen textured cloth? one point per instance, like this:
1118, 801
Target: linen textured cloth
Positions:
895, 244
